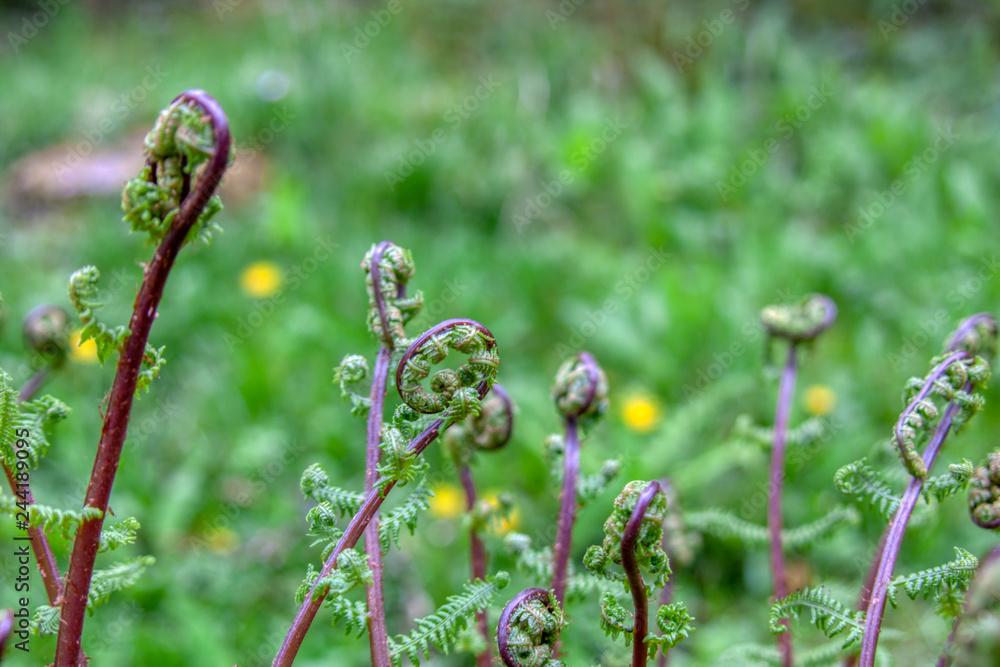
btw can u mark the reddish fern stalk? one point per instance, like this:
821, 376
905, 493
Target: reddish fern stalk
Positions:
109, 449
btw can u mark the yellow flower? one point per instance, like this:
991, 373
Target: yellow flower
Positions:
222, 540
820, 400
85, 352
261, 279
501, 525
641, 413
448, 502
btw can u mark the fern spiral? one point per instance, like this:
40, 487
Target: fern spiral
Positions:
529, 628
388, 269
984, 493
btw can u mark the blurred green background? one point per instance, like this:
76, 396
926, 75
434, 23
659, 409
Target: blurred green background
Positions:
636, 179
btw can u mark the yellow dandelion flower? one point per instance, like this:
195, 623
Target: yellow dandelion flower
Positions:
222, 541
820, 400
261, 279
85, 352
641, 413
501, 525
448, 502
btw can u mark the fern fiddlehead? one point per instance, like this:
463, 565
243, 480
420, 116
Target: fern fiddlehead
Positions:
388, 269
488, 431
529, 628
633, 538
964, 366
580, 393
474, 380
193, 131
46, 335
796, 323
984, 493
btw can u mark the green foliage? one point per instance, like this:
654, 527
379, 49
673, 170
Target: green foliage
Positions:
45, 620
352, 571
537, 565
825, 612
951, 483
953, 576
399, 463
315, 485
768, 656
404, 515
442, 628
861, 480
39, 417
352, 613
118, 577
8, 419
806, 434
724, 525
590, 487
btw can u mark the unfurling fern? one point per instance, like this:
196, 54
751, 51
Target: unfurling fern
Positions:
315, 485
441, 629
124, 532
953, 576
724, 525
353, 614
83, 293
405, 515
867, 484
529, 628
353, 370
825, 612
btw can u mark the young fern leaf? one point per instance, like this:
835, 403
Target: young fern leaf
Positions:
590, 487
315, 485
83, 293
528, 629
354, 615
45, 620
353, 370
442, 628
118, 577
404, 515
352, 571
861, 480
809, 432
38, 417
724, 525
953, 576
399, 464
827, 614
118, 535
50, 519
674, 622
953, 482
8, 419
